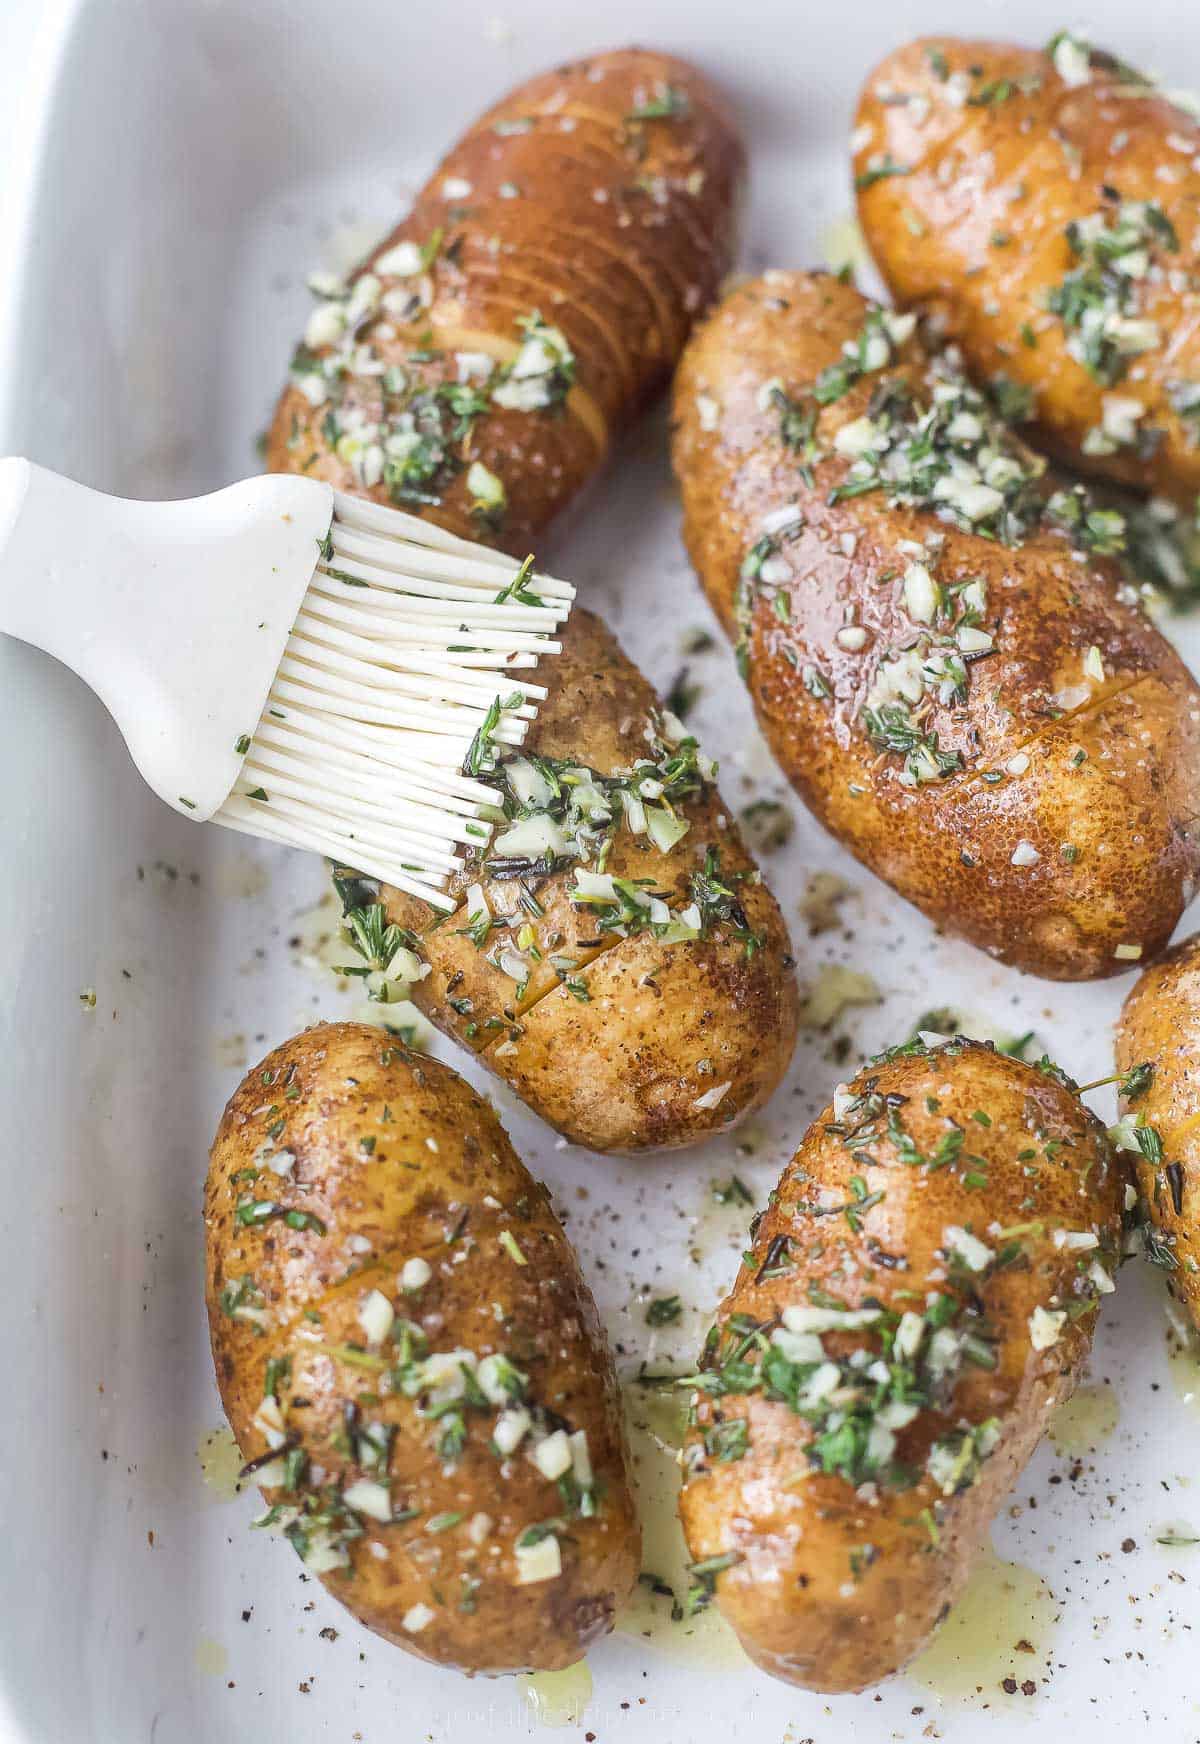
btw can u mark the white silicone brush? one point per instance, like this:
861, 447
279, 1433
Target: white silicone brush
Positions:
291, 662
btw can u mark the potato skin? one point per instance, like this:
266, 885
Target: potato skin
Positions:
665, 1025
1022, 168
618, 234
1113, 829
836, 1586
397, 1158
1160, 1023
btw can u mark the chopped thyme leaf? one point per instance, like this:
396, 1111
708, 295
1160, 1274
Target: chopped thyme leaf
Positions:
726, 1442
1136, 1081
667, 104
703, 1580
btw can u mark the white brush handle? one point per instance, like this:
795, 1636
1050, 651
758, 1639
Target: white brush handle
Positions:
176, 614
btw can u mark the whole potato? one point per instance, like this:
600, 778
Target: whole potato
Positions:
410, 1360
958, 687
623, 967
1044, 207
919, 1297
555, 263
478, 363
1158, 1056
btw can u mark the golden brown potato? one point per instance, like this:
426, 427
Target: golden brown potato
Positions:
961, 693
1159, 1028
410, 1359
598, 199
1045, 206
920, 1296
627, 1026
478, 363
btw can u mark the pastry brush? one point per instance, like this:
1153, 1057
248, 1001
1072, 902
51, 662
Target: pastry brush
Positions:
294, 663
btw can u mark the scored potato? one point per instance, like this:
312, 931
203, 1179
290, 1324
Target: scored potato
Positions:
643, 998
962, 690
1044, 206
598, 198
1158, 1056
919, 1297
477, 364
410, 1359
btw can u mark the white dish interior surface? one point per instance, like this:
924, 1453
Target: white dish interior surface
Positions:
188, 165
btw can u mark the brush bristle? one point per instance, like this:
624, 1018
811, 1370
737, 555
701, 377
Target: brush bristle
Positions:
397, 679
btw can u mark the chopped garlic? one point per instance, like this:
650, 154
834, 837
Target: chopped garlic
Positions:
552, 1455
581, 1459
801, 1317
365, 1496
414, 1275
538, 1562
858, 438
511, 1428
375, 1316
480, 1528
1045, 1327
975, 1254
920, 594
403, 261
1072, 60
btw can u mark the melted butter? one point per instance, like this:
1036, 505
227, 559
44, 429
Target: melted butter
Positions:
319, 944
558, 1698
229, 1052
242, 878
719, 1230
843, 245
1087, 1418
1183, 1362
211, 1657
656, 1422
220, 1462
1176, 1537
999, 1629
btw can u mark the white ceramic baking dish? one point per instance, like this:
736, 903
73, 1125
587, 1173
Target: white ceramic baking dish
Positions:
171, 172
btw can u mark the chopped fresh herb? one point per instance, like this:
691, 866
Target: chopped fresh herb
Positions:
703, 1579
880, 171
667, 104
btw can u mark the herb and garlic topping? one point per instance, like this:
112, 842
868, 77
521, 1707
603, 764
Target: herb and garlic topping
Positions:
334, 1493
375, 1419
874, 1371
1116, 250
1087, 170
941, 447
405, 426
558, 817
